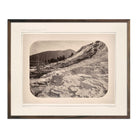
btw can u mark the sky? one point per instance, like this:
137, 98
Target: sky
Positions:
41, 46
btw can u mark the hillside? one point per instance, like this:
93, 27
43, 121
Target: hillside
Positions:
83, 75
44, 57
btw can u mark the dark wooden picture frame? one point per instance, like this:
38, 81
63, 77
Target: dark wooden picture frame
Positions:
10, 21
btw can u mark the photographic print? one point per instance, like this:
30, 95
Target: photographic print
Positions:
69, 68
79, 70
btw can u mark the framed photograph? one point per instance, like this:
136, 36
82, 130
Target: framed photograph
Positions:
69, 68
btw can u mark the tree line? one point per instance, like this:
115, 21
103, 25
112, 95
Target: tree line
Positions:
52, 60
39, 60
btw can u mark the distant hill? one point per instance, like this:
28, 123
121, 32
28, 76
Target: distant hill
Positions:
45, 57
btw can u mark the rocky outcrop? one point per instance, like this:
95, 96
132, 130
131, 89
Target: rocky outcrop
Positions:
83, 75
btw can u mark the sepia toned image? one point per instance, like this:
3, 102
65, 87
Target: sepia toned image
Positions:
69, 69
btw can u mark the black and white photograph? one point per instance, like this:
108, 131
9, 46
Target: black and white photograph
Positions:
69, 69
